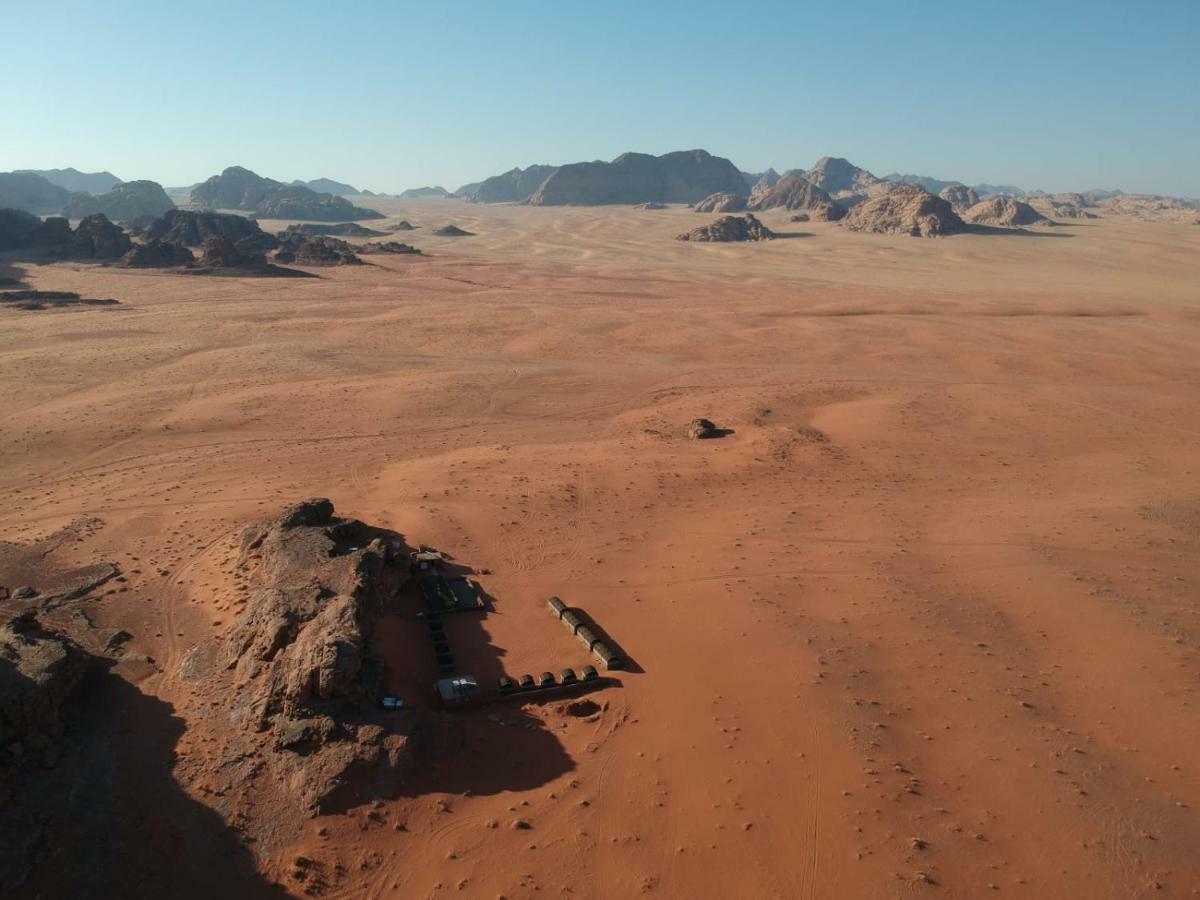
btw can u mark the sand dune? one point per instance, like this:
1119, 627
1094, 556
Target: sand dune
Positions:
924, 621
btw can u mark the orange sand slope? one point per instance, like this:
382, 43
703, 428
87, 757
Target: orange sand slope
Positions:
924, 623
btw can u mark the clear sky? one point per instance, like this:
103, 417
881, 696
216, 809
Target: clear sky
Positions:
1056, 94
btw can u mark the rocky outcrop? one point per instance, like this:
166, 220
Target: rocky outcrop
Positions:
959, 196
17, 229
192, 229
730, 228
124, 203
425, 193
32, 193
513, 186
723, 202
681, 177
157, 255
394, 247
1063, 206
329, 186
316, 250
98, 238
792, 192
827, 212
241, 189
452, 231
908, 209
840, 178
703, 429
1004, 212
403, 225
222, 253
341, 229
39, 668
762, 184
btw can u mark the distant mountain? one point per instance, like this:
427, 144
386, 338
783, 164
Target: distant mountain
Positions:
933, 185
241, 189
686, 176
842, 179
126, 202
513, 186
986, 190
181, 194
424, 192
32, 193
329, 186
468, 191
74, 180
763, 184
791, 192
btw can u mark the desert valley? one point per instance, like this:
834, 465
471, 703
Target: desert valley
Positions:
912, 613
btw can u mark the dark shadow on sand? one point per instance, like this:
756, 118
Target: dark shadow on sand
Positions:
789, 235
992, 230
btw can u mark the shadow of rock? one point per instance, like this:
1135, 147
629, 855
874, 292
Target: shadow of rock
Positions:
111, 816
1011, 232
788, 235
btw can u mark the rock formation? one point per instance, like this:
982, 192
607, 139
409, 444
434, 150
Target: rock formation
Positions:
157, 254
124, 203
703, 429
17, 229
98, 238
680, 177
34, 300
842, 180
238, 188
32, 193
723, 202
730, 228
933, 185
799, 217
329, 186
192, 229
959, 196
513, 186
222, 253
1004, 212
908, 209
389, 247
315, 250
425, 193
792, 191
762, 184
341, 229
402, 225
452, 231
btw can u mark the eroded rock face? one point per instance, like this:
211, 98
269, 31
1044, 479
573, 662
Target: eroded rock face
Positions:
959, 196
908, 209
222, 253
1004, 212
793, 191
157, 255
39, 668
316, 250
98, 238
722, 202
192, 229
124, 203
731, 228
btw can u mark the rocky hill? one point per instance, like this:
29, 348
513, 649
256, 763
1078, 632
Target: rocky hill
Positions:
329, 186
763, 183
841, 179
239, 188
1004, 212
791, 192
722, 202
513, 186
908, 209
729, 229
127, 201
192, 229
958, 196
686, 176
78, 182
32, 193
424, 193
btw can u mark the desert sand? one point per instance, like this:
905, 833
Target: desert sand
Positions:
923, 623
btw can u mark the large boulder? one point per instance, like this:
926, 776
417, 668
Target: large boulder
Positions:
124, 203
721, 202
1004, 212
192, 229
98, 238
730, 228
686, 176
908, 209
157, 255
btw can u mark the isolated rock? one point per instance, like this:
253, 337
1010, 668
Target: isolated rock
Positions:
127, 201
800, 217
1004, 212
702, 429
222, 253
388, 247
681, 177
721, 202
908, 209
425, 193
652, 204
730, 228
192, 229
452, 231
959, 196
98, 238
316, 250
157, 255
403, 225
340, 229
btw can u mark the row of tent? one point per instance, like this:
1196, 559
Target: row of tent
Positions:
578, 626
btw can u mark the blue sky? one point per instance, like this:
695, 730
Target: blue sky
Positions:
1059, 94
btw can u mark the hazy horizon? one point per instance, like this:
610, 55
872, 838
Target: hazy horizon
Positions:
1071, 97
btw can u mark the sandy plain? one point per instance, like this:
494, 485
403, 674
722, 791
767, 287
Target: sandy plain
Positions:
925, 623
